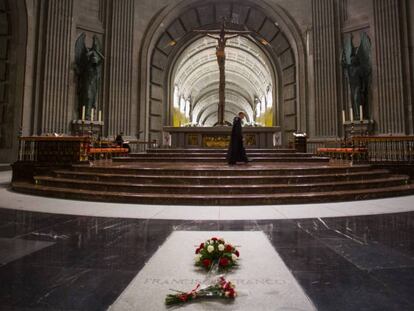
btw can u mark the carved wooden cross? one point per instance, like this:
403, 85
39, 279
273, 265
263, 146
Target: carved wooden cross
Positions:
222, 35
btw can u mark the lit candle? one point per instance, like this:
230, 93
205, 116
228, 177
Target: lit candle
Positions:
351, 114
100, 116
92, 112
343, 116
361, 113
83, 113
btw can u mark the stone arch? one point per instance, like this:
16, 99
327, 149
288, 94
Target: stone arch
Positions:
174, 23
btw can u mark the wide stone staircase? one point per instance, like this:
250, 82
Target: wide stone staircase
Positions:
219, 155
201, 177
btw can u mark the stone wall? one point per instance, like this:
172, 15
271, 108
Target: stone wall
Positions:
12, 55
47, 83
5, 104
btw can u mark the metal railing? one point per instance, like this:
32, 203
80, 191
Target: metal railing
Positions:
51, 149
387, 148
142, 146
314, 144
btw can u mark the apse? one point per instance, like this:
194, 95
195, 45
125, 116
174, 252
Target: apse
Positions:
250, 84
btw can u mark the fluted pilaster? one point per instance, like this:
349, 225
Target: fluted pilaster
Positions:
325, 67
55, 106
120, 82
389, 67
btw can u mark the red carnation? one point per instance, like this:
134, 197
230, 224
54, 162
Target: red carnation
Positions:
229, 248
201, 245
206, 262
223, 262
197, 250
230, 293
214, 239
237, 253
183, 297
226, 285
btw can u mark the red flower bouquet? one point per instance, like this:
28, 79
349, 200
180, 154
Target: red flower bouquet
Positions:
220, 289
216, 252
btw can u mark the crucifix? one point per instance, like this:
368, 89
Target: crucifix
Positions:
222, 35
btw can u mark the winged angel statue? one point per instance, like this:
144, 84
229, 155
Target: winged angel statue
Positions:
88, 69
356, 62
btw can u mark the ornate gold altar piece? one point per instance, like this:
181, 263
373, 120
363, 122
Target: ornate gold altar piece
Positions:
222, 141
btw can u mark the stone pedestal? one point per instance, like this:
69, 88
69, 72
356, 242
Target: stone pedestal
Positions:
358, 128
87, 128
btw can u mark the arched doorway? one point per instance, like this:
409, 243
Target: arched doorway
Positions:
172, 32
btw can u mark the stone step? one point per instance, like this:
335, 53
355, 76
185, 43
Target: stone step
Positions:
5, 167
225, 170
207, 150
222, 180
219, 155
274, 159
192, 189
192, 199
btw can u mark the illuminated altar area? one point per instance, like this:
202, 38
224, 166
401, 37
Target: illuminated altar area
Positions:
219, 136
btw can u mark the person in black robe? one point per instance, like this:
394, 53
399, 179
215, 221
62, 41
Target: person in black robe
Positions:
119, 140
236, 152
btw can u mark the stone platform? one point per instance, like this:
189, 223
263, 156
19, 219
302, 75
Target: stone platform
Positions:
173, 179
202, 155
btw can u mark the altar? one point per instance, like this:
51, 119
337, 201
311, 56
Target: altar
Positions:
219, 137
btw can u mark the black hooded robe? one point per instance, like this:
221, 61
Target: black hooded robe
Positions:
236, 152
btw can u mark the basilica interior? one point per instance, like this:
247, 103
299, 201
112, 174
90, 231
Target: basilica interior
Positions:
118, 123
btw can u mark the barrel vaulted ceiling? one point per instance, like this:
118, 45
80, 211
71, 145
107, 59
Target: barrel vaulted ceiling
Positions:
247, 71
180, 55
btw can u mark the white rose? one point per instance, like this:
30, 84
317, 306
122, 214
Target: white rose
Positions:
221, 247
210, 248
197, 258
234, 257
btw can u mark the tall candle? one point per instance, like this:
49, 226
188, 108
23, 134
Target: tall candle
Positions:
100, 116
92, 112
343, 116
351, 114
83, 113
361, 113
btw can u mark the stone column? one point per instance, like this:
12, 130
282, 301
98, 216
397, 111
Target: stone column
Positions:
326, 67
55, 108
120, 82
390, 78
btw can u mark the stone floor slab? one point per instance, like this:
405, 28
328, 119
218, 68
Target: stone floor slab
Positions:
262, 278
12, 249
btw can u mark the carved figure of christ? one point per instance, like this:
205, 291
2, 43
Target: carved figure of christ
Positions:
222, 35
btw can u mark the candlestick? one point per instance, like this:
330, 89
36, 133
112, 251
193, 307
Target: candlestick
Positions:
92, 112
83, 113
361, 113
351, 114
100, 116
343, 116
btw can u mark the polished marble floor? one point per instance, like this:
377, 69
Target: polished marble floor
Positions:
65, 262
84, 257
